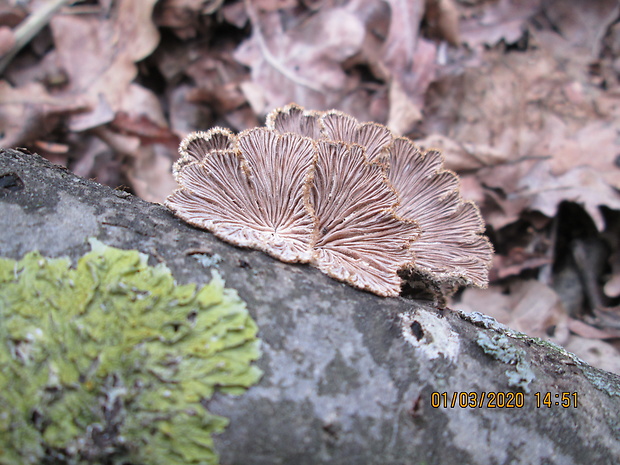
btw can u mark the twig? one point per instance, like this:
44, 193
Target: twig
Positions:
30, 28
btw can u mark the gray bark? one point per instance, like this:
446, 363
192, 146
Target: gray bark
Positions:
348, 376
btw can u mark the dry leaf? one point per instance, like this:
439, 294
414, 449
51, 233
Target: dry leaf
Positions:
302, 63
595, 352
99, 54
517, 260
487, 24
583, 329
462, 156
140, 114
612, 287
442, 19
409, 61
184, 16
30, 112
525, 107
576, 31
527, 306
151, 173
582, 185
7, 39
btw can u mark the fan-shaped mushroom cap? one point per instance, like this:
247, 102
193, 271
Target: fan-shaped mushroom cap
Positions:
450, 247
253, 196
293, 118
331, 125
198, 145
349, 198
338, 126
359, 239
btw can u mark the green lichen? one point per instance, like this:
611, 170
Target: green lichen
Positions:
501, 348
108, 362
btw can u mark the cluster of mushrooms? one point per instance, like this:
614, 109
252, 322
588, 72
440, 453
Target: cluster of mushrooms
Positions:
361, 205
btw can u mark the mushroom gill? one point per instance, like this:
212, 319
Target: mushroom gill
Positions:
293, 118
253, 195
359, 238
347, 197
451, 249
198, 144
339, 126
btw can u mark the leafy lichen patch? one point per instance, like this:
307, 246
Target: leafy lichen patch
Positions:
501, 348
108, 362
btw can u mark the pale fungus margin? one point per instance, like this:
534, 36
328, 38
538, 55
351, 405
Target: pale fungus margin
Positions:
360, 204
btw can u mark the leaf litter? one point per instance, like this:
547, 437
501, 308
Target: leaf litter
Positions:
523, 98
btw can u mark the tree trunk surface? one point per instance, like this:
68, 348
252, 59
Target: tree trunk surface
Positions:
349, 377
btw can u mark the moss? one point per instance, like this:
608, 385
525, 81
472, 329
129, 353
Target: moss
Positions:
108, 362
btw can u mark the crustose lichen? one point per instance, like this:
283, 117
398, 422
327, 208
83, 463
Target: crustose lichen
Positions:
109, 362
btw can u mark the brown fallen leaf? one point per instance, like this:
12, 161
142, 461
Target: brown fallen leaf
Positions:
594, 143
595, 352
11, 14
304, 62
99, 52
235, 13
409, 61
52, 147
522, 107
606, 318
140, 114
185, 116
487, 24
96, 160
612, 287
517, 260
7, 39
582, 185
30, 112
501, 206
404, 112
527, 306
583, 329
463, 156
151, 173
184, 17
576, 32
218, 80
442, 19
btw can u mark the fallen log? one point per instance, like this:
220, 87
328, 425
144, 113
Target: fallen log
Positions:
348, 377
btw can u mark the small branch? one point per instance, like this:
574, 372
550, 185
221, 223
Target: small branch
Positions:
30, 27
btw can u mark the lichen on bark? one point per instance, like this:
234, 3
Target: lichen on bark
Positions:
108, 362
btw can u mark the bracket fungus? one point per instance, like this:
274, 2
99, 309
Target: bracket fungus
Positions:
361, 205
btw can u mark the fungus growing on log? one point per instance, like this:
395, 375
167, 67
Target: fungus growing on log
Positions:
359, 240
293, 118
451, 249
253, 194
349, 198
195, 146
